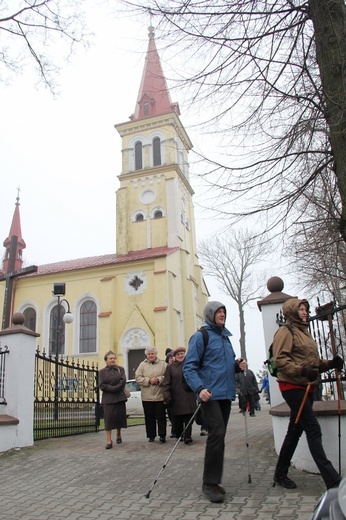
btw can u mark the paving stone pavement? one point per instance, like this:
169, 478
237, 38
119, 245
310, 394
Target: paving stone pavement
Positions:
75, 478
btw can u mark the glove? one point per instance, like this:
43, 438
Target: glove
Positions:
310, 373
337, 362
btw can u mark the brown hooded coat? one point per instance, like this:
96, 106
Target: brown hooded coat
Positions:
293, 352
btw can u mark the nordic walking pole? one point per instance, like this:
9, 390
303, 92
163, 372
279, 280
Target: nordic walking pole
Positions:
173, 450
303, 403
246, 432
247, 448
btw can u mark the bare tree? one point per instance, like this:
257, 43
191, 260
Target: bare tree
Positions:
316, 250
32, 29
270, 75
231, 261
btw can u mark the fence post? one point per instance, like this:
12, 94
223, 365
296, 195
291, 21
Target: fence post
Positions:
18, 385
270, 306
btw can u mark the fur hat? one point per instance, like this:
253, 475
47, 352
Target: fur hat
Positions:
178, 349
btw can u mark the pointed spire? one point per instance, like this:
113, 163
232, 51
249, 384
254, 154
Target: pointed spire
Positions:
153, 96
15, 230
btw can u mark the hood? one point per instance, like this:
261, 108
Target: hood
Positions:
290, 311
210, 309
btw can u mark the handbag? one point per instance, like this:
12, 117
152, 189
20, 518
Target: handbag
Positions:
127, 392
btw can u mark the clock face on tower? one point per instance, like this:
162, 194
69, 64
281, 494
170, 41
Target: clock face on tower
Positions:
147, 197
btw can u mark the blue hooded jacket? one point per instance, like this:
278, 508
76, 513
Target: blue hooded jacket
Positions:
216, 368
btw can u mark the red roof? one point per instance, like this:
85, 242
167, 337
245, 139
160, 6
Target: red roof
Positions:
98, 261
153, 97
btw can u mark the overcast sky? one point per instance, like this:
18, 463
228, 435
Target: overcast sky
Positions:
65, 155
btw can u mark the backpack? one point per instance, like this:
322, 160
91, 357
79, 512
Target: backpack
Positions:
270, 360
205, 343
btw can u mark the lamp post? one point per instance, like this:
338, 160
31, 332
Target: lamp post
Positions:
59, 291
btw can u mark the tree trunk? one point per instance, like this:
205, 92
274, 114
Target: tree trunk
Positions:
242, 332
329, 20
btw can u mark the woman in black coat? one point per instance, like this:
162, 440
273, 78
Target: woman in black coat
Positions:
183, 403
112, 380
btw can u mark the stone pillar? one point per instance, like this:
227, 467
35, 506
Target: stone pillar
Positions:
270, 306
16, 417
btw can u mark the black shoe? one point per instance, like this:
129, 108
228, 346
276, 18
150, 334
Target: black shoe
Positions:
252, 415
213, 492
203, 432
163, 439
222, 490
188, 440
151, 439
285, 482
109, 446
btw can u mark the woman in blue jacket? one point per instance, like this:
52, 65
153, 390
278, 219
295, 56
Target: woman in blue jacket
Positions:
210, 372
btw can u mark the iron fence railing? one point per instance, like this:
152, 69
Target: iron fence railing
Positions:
66, 397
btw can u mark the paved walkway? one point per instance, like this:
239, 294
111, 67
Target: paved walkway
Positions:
75, 478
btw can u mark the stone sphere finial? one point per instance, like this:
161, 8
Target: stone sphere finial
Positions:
18, 318
275, 284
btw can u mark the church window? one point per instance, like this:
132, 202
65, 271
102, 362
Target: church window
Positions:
87, 328
57, 331
156, 151
158, 214
139, 217
138, 156
146, 109
30, 318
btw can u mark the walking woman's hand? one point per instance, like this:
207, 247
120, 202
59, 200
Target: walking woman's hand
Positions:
204, 395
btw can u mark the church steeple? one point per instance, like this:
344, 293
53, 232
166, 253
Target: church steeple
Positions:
15, 231
153, 96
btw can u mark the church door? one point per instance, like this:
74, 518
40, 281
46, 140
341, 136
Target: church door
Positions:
135, 358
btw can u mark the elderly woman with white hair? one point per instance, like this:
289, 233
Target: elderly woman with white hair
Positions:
149, 375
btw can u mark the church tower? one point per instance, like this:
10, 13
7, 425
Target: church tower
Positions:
154, 201
13, 258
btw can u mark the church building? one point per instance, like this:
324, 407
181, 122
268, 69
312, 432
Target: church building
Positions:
151, 290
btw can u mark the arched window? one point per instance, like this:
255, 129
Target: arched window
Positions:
87, 330
57, 331
30, 318
139, 217
158, 214
138, 156
156, 151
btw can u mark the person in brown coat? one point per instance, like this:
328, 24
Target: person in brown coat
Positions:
298, 363
112, 380
183, 403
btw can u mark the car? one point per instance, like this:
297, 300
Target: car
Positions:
134, 406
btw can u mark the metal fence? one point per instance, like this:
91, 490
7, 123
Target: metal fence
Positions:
66, 397
328, 328
3, 354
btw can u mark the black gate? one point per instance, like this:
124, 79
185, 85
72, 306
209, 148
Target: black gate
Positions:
66, 400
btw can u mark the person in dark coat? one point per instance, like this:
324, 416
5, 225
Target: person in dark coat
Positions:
248, 387
183, 403
112, 380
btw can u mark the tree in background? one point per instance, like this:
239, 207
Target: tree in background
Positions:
39, 32
231, 261
269, 76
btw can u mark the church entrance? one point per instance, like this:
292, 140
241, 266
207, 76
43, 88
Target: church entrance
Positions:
135, 357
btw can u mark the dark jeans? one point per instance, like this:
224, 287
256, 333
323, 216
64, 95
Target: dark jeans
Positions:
217, 414
154, 412
180, 422
310, 425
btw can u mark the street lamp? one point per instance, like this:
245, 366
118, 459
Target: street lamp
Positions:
59, 291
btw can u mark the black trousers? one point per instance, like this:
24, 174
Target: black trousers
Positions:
245, 399
310, 425
180, 422
217, 415
155, 418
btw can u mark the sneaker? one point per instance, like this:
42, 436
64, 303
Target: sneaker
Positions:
284, 481
213, 492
